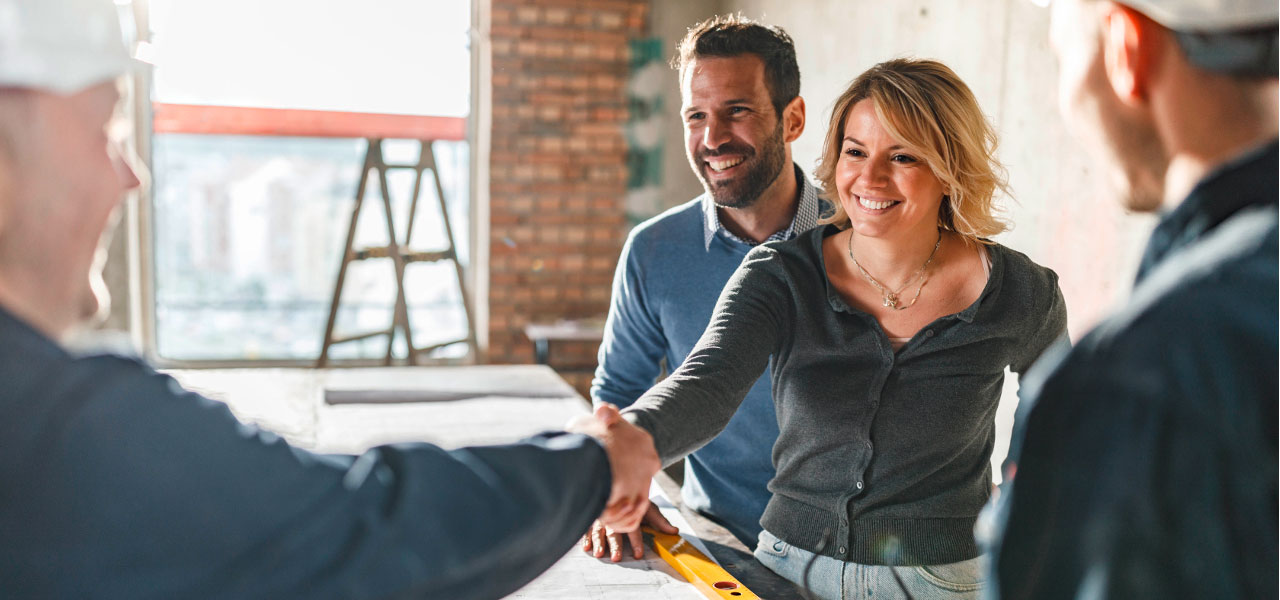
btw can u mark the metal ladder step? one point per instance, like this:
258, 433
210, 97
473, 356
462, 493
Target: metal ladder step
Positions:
409, 256
359, 336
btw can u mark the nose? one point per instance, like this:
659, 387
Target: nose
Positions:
715, 133
875, 173
125, 173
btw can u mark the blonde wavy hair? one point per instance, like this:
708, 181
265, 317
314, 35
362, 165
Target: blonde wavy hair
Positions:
926, 107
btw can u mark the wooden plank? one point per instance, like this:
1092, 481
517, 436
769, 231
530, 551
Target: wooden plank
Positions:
288, 122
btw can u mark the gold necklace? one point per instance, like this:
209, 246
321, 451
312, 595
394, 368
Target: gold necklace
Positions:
891, 297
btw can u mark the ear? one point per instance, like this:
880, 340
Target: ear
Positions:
1129, 42
793, 119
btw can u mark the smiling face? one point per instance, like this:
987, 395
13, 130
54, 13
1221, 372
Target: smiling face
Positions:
734, 137
66, 178
886, 189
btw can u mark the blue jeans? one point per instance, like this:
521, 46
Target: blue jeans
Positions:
832, 579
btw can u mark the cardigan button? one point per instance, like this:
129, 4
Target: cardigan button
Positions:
842, 550
928, 333
859, 485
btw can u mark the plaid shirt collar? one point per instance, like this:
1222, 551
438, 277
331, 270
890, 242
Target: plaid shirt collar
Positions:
806, 216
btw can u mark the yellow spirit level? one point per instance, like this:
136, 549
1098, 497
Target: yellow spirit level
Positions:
705, 575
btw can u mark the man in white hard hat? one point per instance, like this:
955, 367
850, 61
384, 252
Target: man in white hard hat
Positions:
117, 483
1146, 466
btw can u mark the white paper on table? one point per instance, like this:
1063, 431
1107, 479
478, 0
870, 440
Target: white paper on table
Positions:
580, 576
673, 515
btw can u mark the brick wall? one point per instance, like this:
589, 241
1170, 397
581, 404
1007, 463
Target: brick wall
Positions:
557, 168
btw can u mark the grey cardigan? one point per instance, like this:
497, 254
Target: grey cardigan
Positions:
887, 454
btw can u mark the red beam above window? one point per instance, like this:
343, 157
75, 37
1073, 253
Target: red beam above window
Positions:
288, 122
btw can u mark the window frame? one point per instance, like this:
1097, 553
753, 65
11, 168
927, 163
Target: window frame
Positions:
138, 219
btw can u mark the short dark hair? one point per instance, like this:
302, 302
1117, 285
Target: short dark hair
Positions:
1246, 53
735, 35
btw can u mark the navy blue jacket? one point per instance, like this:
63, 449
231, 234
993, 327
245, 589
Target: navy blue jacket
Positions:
1147, 464
117, 483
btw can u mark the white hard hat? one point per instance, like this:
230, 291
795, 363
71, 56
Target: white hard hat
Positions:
1209, 16
62, 46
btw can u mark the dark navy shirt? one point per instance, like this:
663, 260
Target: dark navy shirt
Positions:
1147, 464
117, 483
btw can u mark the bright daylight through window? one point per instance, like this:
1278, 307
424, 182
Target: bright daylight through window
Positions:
249, 229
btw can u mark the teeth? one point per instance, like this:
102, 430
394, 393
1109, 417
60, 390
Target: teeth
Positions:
720, 165
873, 205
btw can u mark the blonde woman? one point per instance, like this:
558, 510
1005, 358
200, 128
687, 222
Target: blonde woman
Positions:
888, 331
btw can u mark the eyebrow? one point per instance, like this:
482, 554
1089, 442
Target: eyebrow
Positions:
848, 138
729, 102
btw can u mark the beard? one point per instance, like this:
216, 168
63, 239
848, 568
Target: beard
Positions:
761, 171
1132, 151
1140, 190
1124, 143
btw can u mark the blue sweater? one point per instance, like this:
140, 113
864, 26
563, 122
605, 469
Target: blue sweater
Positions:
664, 291
117, 483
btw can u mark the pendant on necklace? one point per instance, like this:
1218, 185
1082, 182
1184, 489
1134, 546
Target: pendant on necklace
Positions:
891, 300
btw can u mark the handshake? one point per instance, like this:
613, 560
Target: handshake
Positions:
633, 459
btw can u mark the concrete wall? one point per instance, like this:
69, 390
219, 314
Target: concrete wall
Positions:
1064, 215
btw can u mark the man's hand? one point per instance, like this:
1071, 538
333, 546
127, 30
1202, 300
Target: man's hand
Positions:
599, 537
633, 460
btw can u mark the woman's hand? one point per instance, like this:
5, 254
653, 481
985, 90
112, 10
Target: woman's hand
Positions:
633, 460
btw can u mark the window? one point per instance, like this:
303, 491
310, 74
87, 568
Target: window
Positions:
248, 230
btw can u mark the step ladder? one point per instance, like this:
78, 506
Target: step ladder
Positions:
399, 254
